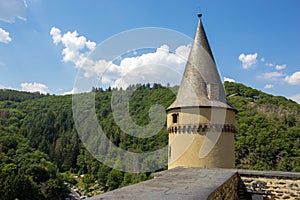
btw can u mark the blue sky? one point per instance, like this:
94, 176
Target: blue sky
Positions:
43, 43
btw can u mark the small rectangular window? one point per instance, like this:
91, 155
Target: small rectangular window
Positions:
174, 118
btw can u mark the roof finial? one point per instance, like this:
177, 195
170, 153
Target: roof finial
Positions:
199, 13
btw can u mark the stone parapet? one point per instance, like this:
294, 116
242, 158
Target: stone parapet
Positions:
228, 190
180, 183
211, 184
275, 185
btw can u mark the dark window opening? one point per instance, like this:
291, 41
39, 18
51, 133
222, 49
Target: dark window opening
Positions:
174, 118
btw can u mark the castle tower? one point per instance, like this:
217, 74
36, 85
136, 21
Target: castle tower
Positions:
201, 124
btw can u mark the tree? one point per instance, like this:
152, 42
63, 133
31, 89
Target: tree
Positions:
114, 179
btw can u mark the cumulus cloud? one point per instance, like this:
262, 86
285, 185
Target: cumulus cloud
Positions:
34, 87
296, 98
269, 86
12, 9
293, 79
74, 45
248, 60
160, 66
161, 56
183, 51
280, 67
56, 35
229, 80
76, 49
4, 36
148, 67
271, 76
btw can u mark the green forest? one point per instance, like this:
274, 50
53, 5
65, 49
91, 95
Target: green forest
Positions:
42, 156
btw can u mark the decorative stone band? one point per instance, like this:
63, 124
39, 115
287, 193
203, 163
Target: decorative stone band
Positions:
200, 128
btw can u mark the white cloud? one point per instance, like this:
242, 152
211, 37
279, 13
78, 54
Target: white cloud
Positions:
183, 51
277, 67
269, 64
280, 67
271, 76
160, 66
34, 87
229, 80
56, 35
73, 91
296, 98
74, 46
152, 73
76, 50
90, 45
294, 79
4, 36
11, 9
269, 86
161, 56
248, 60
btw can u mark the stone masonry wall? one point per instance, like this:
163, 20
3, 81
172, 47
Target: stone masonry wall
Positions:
276, 185
228, 190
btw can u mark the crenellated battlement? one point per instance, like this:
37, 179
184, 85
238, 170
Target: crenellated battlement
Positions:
201, 128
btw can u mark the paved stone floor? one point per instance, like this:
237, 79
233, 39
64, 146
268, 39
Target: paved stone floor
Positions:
174, 184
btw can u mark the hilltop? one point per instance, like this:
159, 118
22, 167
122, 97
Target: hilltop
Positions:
39, 144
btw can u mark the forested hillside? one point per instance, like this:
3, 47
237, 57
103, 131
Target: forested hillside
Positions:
268, 127
40, 149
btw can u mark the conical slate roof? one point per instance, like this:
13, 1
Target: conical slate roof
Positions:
201, 84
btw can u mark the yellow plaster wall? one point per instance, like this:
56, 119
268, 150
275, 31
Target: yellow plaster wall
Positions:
184, 148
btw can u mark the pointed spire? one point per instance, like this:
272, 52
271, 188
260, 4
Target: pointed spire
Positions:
200, 37
201, 84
